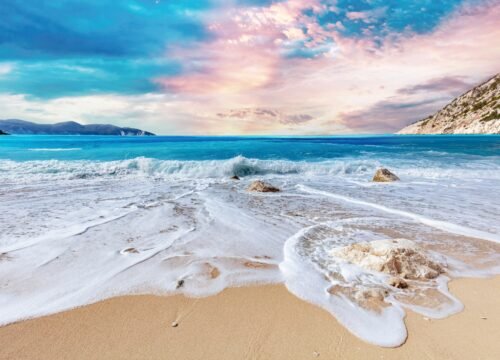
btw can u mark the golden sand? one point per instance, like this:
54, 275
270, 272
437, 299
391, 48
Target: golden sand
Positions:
263, 322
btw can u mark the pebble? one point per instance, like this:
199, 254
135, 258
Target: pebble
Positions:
180, 283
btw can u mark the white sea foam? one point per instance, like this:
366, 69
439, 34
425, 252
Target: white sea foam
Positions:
241, 166
442, 225
75, 232
350, 169
55, 149
306, 280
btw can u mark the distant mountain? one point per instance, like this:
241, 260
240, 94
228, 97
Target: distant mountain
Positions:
14, 126
475, 112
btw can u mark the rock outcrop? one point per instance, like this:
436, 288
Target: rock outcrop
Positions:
261, 186
475, 112
384, 175
400, 258
3, 133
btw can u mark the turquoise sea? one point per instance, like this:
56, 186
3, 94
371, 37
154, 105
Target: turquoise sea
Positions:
102, 148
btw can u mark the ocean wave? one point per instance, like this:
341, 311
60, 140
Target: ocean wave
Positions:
141, 166
240, 166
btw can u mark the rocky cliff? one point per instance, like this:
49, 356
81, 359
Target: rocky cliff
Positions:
475, 112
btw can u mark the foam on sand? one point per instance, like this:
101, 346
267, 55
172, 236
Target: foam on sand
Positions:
309, 281
353, 283
442, 225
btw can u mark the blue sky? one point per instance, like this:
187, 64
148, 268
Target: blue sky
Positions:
91, 46
238, 51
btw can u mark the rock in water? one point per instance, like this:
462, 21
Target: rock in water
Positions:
398, 282
261, 186
384, 175
129, 250
400, 258
180, 284
235, 177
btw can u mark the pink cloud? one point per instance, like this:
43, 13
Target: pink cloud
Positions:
265, 114
225, 67
245, 67
366, 16
247, 51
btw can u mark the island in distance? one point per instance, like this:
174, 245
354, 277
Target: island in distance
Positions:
475, 112
22, 127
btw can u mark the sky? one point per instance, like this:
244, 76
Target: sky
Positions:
220, 67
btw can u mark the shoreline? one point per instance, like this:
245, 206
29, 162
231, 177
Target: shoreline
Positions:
256, 322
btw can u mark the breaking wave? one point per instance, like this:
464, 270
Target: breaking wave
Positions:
141, 166
240, 166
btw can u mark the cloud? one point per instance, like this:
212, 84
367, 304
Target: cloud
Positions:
109, 28
263, 114
245, 50
454, 85
368, 16
147, 111
161, 113
74, 77
69, 47
389, 115
380, 18
251, 47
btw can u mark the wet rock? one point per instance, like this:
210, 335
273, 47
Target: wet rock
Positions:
370, 294
129, 250
397, 282
180, 284
5, 256
261, 186
235, 177
400, 258
384, 175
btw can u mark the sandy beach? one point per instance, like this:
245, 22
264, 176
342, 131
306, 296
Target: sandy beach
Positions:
261, 322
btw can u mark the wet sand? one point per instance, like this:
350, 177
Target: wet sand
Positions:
261, 322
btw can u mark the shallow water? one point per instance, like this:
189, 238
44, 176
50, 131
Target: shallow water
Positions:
83, 218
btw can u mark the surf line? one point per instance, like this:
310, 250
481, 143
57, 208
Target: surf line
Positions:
438, 224
69, 231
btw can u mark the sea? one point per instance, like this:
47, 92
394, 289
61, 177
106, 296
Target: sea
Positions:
85, 218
